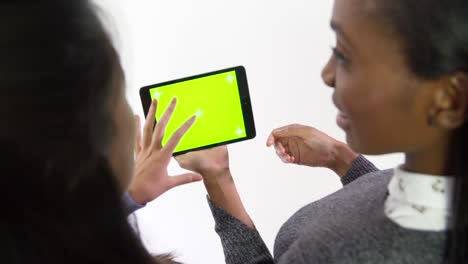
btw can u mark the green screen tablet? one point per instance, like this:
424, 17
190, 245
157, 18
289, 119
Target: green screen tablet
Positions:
219, 99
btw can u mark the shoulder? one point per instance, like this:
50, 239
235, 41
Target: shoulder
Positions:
342, 208
349, 226
366, 189
369, 181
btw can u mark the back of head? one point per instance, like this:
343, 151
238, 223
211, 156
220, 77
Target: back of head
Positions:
58, 74
55, 72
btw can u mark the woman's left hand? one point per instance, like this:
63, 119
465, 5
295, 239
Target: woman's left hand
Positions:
151, 178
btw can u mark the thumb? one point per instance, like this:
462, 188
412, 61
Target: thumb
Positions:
185, 179
290, 131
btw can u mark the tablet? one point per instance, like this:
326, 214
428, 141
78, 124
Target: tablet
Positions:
219, 99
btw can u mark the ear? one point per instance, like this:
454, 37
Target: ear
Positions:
450, 103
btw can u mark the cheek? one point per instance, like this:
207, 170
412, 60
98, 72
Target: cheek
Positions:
129, 139
372, 126
130, 129
377, 112
123, 145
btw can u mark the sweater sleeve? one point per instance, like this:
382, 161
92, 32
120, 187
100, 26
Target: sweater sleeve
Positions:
241, 244
360, 166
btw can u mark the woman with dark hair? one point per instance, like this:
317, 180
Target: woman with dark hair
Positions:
67, 140
400, 77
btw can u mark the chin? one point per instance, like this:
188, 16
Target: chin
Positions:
365, 147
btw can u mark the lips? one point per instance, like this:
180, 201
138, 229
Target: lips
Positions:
342, 120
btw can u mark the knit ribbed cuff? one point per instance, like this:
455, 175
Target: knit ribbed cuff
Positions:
360, 166
241, 244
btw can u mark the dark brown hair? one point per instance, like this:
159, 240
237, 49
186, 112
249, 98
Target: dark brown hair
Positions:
61, 201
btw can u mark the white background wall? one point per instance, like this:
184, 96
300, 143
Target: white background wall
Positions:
283, 45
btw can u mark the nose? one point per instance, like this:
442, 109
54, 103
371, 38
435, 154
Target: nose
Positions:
328, 73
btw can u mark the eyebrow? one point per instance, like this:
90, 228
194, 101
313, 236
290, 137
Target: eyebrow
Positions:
339, 30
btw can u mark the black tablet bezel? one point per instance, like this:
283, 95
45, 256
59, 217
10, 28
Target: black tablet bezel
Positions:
243, 94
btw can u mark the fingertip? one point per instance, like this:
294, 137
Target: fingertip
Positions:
270, 140
197, 178
282, 152
190, 121
152, 107
280, 147
172, 105
193, 178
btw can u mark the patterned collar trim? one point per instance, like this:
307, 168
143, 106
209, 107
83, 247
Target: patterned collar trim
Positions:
419, 201
422, 189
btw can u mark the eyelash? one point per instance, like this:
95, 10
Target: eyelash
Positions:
339, 56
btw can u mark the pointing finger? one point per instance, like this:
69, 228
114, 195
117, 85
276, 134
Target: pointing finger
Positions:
149, 124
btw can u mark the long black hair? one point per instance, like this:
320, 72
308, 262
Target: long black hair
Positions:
60, 200
434, 34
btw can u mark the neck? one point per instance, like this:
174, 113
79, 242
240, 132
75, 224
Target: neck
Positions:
431, 160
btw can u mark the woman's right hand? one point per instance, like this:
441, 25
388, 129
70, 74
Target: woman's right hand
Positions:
304, 145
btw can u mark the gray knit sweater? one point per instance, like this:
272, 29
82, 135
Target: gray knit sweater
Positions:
348, 226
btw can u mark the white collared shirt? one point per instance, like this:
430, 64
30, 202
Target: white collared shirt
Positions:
419, 201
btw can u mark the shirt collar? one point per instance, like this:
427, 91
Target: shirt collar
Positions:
419, 201
422, 189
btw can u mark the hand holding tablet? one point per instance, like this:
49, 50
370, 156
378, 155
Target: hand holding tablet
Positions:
220, 100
